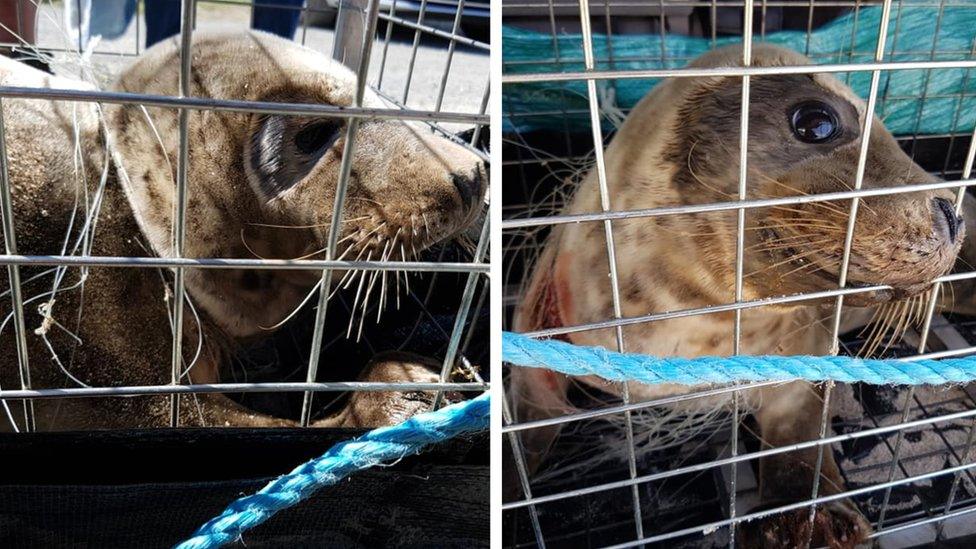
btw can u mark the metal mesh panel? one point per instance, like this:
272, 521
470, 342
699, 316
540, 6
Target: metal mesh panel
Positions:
448, 325
905, 454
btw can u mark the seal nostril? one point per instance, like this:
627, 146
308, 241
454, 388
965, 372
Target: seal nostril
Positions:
467, 186
952, 220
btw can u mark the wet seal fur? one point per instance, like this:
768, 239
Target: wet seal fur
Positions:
680, 146
258, 185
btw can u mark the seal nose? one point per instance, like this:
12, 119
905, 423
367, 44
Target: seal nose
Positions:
945, 211
468, 186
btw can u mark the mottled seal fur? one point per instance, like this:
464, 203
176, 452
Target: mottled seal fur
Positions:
259, 185
680, 146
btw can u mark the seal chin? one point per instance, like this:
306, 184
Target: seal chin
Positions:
867, 299
904, 292
877, 297
804, 271
828, 280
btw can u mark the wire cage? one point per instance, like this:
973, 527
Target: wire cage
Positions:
571, 73
428, 62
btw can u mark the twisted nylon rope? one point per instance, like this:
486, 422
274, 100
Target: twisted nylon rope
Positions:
578, 360
382, 445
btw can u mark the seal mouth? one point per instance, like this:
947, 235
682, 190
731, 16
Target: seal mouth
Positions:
795, 259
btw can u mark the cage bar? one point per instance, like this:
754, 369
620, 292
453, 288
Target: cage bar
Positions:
537, 164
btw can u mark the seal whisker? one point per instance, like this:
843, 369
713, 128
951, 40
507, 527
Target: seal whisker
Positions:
908, 170
725, 232
795, 220
821, 241
364, 199
952, 296
362, 315
802, 211
902, 324
248, 247
900, 321
314, 226
359, 289
382, 304
812, 267
877, 335
308, 255
849, 187
921, 305
826, 205
870, 330
785, 261
789, 248
309, 295
816, 224
798, 238
817, 321
338, 285
375, 229
795, 239
295, 310
355, 271
406, 277
382, 301
348, 237
396, 273
891, 321
766, 247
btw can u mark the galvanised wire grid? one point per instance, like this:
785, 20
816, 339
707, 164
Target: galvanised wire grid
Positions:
355, 19
698, 499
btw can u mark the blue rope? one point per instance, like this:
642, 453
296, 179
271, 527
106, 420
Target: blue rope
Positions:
578, 360
383, 445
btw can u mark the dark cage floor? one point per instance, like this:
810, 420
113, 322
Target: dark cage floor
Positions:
694, 499
154, 488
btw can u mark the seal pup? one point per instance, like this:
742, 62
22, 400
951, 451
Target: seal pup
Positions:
680, 146
259, 185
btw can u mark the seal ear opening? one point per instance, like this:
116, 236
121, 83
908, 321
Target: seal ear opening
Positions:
283, 150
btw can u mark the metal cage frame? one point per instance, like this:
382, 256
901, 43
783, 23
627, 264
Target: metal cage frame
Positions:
357, 19
555, 72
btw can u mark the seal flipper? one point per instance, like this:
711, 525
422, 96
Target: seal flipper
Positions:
787, 478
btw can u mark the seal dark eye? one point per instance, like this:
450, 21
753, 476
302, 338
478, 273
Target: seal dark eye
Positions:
315, 137
814, 122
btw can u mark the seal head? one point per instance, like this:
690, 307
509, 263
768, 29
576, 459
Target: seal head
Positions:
264, 185
680, 147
